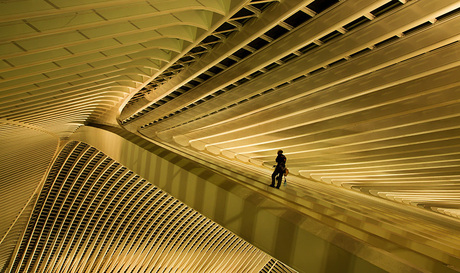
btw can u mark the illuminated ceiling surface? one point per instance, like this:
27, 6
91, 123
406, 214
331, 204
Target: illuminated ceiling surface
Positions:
360, 94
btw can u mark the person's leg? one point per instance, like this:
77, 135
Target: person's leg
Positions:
279, 178
273, 177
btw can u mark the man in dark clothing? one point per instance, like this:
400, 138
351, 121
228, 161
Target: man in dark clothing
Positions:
280, 168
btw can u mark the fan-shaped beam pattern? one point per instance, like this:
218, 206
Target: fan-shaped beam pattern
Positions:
49, 48
267, 20
26, 153
352, 43
273, 52
363, 95
122, 223
371, 221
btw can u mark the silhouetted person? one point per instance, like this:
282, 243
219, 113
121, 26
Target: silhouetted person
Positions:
280, 168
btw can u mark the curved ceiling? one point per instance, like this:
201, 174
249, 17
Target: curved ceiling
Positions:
25, 156
64, 62
123, 223
360, 94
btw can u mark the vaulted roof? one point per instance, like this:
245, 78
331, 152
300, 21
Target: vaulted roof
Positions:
359, 94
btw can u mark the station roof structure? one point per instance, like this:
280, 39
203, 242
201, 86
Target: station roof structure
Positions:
359, 94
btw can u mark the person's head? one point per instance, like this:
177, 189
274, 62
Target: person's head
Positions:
280, 152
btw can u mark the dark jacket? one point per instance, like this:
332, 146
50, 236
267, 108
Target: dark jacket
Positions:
281, 161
